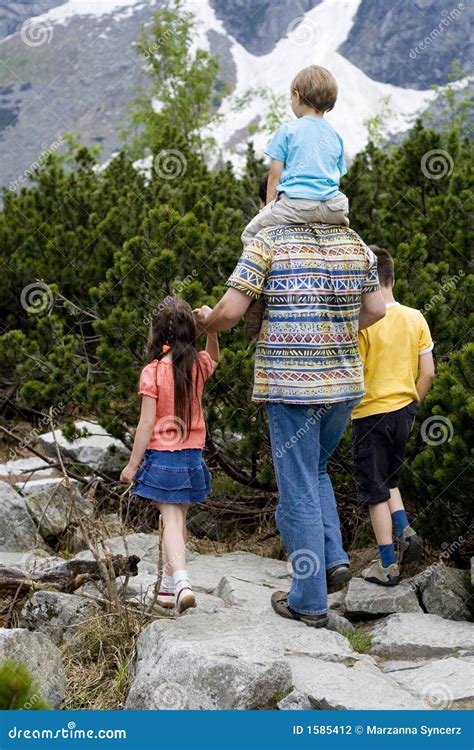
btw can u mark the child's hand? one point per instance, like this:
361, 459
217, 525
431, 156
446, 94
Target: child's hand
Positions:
128, 474
201, 314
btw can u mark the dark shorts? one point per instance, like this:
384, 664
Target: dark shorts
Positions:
173, 476
378, 450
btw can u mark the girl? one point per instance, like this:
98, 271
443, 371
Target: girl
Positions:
170, 436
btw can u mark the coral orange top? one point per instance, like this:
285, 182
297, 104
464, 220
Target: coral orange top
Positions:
157, 381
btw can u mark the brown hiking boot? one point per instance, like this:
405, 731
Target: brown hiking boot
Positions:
281, 607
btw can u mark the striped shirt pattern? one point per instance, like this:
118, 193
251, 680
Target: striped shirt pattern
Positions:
312, 279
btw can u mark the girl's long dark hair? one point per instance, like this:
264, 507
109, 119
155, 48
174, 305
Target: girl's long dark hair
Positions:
173, 324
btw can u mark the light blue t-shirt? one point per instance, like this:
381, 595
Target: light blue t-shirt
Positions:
313, 154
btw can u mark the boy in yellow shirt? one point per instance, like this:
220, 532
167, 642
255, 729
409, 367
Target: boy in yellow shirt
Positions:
398, 373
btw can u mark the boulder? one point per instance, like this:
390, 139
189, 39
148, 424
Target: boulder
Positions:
33, 561
54, 509
20, 470
442, 684
255, 598
444, 591
225, 660
145, 546
108, 524
206, 571
325, 685
56, 614
46, 484
42, 658
18, 532
364, 599
98, 450
403, 636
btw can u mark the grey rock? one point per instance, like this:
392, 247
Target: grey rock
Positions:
44, 484
408, 635
145, 546
339, 623
400, 30
364, 598
20, 470
18, 532
55, 509
255, 598
98, 450
444, 591
202, 662
34, 561
330, 686
441, 684
42, 658
56, 614
472, 572
226, 659
259, 28
206, 571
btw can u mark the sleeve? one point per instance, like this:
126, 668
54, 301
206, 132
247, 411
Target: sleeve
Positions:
207, 364
278, 146
341, 163
371, 283
148, 385
250, 272
426, 342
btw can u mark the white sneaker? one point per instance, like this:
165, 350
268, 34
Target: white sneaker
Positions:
185, 599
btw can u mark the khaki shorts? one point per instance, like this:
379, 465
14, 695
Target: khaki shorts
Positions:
284, 210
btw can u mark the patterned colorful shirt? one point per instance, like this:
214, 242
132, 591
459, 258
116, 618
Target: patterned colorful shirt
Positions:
312, 279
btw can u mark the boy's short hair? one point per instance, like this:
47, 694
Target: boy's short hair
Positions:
317, 88
385, 266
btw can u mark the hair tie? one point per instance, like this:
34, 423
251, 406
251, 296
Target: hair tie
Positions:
165, 348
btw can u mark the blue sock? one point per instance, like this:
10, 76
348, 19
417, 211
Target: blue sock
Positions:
400, 521
387, 554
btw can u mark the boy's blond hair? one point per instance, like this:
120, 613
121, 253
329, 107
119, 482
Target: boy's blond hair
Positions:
316, 87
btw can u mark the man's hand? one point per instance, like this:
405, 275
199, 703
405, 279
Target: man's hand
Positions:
200, 316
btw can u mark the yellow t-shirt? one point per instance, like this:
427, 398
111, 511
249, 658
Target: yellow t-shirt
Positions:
389, 350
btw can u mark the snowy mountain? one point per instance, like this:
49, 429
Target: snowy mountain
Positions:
71, 66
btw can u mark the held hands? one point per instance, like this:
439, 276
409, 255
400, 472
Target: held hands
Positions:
128, 474
201, 315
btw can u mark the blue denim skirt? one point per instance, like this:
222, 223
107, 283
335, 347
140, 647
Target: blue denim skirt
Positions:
173, 476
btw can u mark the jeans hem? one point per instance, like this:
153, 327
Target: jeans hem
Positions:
319, 612
342, 561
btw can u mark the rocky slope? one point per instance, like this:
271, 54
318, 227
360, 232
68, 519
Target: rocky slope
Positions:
71, 66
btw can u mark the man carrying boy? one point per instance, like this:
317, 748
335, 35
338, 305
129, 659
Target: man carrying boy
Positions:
398, 373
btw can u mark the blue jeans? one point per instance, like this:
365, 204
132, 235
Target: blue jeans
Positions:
303, 438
